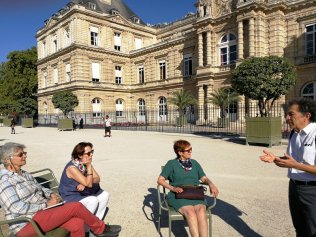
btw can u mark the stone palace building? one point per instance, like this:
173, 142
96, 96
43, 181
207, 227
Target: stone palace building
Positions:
114, 62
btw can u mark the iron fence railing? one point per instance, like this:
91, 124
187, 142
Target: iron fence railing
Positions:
206, 119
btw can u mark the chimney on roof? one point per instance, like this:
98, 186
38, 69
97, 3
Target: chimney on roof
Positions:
109, 2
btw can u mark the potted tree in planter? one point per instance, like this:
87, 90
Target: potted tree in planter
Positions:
66, 101
182, 99
264, 79
222, 98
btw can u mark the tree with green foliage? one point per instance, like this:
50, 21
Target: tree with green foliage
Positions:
264, 79
66, 101
222, 98
18, 83
182, 99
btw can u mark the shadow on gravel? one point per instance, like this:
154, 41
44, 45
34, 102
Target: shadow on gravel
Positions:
227, 212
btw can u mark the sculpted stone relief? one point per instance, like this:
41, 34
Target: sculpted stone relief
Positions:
223, 7
215, 8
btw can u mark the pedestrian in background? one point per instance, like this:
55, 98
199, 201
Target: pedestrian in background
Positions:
13, 123
107, 126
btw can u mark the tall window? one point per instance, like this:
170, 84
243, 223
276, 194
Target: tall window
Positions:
117, 41
94, 32
55, 75
119, 106
310, 37
309, 91
68, 72
118, 75
55, 46
96, 72
187, 63
162, 106
141, 76
44, 49
162, 69
96, 107
138, 43
67, 37
45, 80
228, 49
141, 107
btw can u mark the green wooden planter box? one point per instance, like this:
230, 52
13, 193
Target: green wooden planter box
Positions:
6, 122
27, 123
265, 130
65, 124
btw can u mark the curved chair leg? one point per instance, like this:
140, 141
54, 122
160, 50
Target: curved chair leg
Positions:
169, 220
210, 226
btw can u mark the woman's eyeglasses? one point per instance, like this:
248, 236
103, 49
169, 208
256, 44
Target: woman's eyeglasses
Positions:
21, 154
188, 150
89, 153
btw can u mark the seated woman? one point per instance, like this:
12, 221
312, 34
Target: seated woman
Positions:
185, 171
80, 181
22, 195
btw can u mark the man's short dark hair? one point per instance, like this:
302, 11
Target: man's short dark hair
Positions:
305, 105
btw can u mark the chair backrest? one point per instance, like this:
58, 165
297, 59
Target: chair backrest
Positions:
46, 178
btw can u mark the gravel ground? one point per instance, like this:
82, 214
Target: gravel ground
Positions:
253, 195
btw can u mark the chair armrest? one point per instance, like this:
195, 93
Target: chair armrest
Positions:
162, 201
24, 219
213, 204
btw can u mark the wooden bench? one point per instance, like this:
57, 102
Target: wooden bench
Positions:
47, 179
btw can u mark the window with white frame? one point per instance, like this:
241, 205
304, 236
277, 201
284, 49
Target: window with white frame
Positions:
162, 69
228, 49
96, 108
67, 37
162, 106
55, 46
92, 6
94, 32
119, 107
310, 38
117, 41
141, 75
118, 75
187, 64
138, 43
141, 107
55, 75
309, 91
68, 72
95, 72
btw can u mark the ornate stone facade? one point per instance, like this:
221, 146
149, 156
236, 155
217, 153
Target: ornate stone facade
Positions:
112, 61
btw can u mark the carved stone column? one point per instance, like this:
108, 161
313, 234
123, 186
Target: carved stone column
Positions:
200, 48
201, 101
251, 37
240, 40
209, 48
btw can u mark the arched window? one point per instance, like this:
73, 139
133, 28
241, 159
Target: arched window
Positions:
162, 106
119, 106
96, 107
309, 91
228, 49
141, 107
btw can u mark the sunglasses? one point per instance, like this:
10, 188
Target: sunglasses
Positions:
188, 150
21, 154
89, 153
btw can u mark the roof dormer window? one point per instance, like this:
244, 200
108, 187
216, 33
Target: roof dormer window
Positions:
92, 6
135, 19
114, 12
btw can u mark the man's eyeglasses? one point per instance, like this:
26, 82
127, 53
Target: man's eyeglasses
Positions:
21, 154
188, 150
89, 153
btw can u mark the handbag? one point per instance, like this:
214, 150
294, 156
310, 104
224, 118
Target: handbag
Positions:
191, 192
90, 191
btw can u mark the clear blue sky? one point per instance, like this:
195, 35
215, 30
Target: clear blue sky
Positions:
20, 19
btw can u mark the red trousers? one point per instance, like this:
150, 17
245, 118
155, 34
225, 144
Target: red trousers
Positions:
71, 216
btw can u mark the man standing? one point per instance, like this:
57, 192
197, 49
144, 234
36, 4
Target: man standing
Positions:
300, 159
107, 126
13, 123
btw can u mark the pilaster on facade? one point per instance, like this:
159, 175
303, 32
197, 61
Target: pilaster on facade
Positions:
240, 40
209, 47
251, 37
200, 49
201, 104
